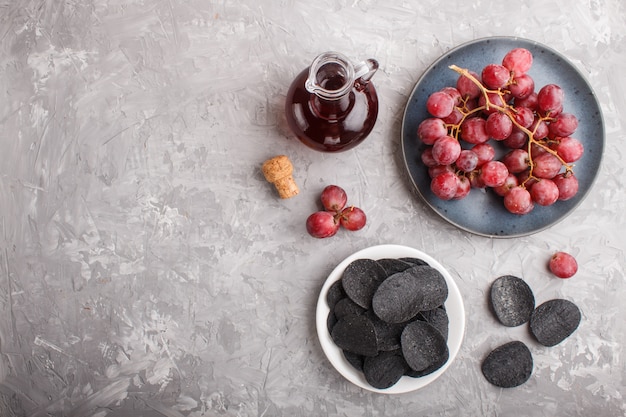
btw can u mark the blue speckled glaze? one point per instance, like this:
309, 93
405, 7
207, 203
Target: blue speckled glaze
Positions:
483, 212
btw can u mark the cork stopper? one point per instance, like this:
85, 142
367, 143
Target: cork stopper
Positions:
278, 170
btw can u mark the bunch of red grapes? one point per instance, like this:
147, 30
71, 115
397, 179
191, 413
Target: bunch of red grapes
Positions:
501, 105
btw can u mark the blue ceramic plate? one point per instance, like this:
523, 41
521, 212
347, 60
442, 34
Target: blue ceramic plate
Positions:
483, 212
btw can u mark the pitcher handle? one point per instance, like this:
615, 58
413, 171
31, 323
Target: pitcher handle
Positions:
363, 71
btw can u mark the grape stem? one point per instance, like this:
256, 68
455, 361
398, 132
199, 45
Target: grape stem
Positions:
509, 111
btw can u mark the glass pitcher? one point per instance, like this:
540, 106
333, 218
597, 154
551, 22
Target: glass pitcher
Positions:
332, 106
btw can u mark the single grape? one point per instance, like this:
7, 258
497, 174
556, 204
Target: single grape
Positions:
567, 183
475, 180
352, 218
445, 185
523, 116
569, 149
563, 265
516, 160
334, 198
550, 99
518, 60
526, 180
431, 129
546, 165
467, 160
545, 192
493, 173
563, 124
440, 104
485, 153
521, 86
474, 130
446, 150
499, 126
466, 87
495, 76
518, 201
322, 224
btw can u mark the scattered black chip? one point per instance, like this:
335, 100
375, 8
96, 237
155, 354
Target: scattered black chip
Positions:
356, 334
331, 320
512, 300
438, 318
335, 293
509, 365
354, 359
554, 321
360, 280
387, 334
385, 369
346, 306
422, 345
392, 265
403, 295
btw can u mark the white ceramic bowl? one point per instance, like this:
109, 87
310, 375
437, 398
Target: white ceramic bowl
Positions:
454, 309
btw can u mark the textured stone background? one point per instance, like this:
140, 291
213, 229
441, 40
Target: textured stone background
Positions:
147, 268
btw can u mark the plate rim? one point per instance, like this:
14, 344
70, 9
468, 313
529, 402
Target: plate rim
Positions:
333, 353
463, 45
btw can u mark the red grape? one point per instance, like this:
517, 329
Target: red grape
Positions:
495, 76
467, 160
485, 153
508, 184
427, 157
463, 189
518, 201
546, 166
334, 198
445, 185
440, 104
516, 161
446, 150
438, 169
352, 218
493, 102
517, 139
563, 265
539, 128
466, 87
545, 192
530, 101
454, 93
431, 129
523, 116
499, 126
522, 86
563, 124
569, 149
322, 224
518, 60
550, 99
567, 184
474, 130
493, 173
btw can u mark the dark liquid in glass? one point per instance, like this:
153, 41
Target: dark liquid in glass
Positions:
331, 125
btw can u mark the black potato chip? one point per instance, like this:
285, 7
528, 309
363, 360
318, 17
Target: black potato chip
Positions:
334, 294
554, 321
414, 261
346, 306
360, 280
393, 265
512, 300
387, 334
354, 359
509, 365
355, 333
385, 369
438, 318
423, 346
432, 368
403, 295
